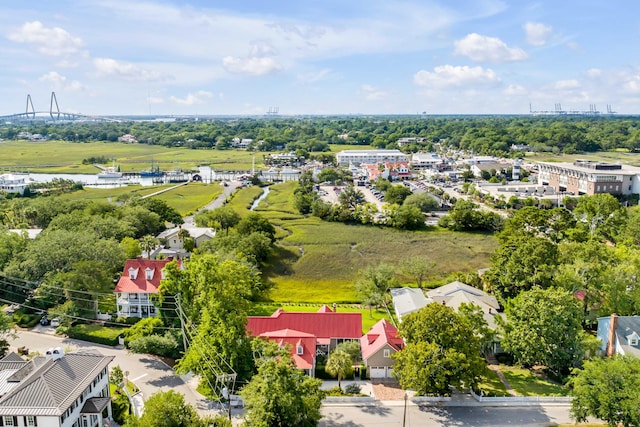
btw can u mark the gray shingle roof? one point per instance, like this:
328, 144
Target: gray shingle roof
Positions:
95, 405
51, 387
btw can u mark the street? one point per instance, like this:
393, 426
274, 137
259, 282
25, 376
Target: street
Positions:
152, 375
149, 373
473, 416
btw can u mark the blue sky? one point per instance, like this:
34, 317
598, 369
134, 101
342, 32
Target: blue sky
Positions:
110, 57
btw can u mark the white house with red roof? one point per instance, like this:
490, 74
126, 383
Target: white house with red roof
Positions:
308, 334
140, 279
393, 171
377, 347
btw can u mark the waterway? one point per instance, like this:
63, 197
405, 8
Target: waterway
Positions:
256, 202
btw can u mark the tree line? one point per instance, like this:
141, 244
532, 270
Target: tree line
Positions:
480, 134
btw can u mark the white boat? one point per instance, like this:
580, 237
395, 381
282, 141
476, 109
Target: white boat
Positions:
110, 172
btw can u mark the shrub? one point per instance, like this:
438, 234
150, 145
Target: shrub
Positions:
128, 320
144, 328
159, 345
120, 408
95, 333
352, 389
26, 320
335, 391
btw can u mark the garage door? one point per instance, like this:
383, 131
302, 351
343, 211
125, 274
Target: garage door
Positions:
377, 372
389, 372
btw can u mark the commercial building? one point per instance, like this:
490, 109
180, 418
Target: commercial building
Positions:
357, 157
588, 177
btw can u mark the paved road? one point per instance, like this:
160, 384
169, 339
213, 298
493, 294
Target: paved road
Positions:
149, 373
392, 416
219, 201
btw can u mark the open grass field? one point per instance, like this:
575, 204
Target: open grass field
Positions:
526, 383
66, 157
185, 199
624, 157
319, 261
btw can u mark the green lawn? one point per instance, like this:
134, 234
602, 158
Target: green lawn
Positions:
66, 157
492, 386
185, 199
526, 383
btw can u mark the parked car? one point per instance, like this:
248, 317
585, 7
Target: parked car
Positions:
55, 322
44, 320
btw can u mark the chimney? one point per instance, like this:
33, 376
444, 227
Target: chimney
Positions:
54, 353
335, 307
611, 341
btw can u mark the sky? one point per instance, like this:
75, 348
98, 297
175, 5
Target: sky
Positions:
246, 57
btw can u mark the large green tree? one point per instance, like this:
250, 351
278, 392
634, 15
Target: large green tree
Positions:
280, 394
442, 351
214, 294
168, 409
609, 390
544, 327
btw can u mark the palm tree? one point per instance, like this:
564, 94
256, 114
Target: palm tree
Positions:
339, 364
148, 243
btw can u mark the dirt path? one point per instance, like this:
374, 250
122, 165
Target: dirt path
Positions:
495, 368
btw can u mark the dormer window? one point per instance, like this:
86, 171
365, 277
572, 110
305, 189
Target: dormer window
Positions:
133, 273
633, 339
149, 273
162, 274
299, 350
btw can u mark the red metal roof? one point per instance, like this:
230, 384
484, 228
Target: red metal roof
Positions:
381, 333
319, 324
141, 284
294, 339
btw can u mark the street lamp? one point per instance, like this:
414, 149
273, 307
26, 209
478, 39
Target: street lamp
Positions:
404, 416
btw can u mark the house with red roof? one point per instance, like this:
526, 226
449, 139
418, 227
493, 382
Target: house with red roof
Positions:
393, 171
140, 279
377, 347
308, 334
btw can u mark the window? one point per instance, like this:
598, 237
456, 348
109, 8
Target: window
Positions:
9, 421
30, 420
633, 341
133, 273
386, 353
149, 273
299, 350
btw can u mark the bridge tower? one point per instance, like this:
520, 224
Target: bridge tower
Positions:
57, 112
32, 112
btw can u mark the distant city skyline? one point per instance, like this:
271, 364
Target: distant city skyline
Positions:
116, 57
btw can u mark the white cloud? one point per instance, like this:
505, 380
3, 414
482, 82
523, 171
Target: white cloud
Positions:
515, 90
594, 72
107, 67
200, 97
372, 93
253, 66
537, 33
59, 81
49, 41
488, 49
313, 76
566, 84
454, 76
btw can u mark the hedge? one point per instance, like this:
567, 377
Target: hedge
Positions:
26, 320
95, 333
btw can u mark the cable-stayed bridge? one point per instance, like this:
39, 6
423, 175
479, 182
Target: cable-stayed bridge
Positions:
54, 114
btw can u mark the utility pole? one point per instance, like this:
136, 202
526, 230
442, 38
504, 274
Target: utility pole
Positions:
182, 325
